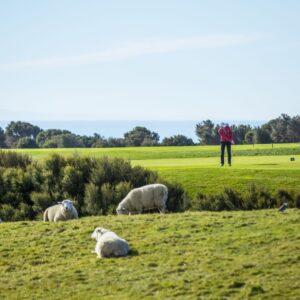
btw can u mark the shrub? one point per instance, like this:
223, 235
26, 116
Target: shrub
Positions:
140, 176
177, 197
107, 197
41, 201
92, 200
12, 159
72, 182
254, 198
297, 201
23, 212
26, 142
96, 185
121, 190
285, 196
7, 212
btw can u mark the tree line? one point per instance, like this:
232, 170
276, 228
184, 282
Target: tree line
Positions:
25, 135
284, 129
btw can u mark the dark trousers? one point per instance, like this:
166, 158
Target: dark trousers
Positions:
228, 146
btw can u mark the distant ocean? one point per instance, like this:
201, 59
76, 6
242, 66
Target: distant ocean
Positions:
118, 128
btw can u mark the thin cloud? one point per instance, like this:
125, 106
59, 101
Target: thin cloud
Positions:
134, 49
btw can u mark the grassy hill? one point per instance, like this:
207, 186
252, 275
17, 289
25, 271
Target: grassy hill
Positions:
200, 255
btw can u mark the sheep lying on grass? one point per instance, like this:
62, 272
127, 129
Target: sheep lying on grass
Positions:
147, 197
61, 212
109, 244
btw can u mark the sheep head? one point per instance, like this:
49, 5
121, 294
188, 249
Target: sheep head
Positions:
67, 205
98, 232
122, 211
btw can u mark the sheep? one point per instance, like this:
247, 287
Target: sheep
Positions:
144, 198
109, 244
62, 211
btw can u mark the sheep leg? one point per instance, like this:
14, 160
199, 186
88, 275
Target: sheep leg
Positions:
45, 217
162, 210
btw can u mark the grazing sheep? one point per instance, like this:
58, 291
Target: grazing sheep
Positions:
109, 244
61, 212
144, 198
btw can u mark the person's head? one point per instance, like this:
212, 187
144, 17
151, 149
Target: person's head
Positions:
224, 124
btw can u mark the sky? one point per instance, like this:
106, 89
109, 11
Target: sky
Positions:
149, 60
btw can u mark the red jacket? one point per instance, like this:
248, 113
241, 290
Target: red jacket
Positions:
225, 134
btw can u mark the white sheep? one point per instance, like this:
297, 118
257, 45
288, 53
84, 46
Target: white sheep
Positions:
109, 244
147, 197
62, 211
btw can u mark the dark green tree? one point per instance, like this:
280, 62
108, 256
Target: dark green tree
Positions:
115, 142
47, 135
26, 142
250, 137
2, 138
293, 129
207, 133
177, 140
284, 129
141, 136
22, 129
262, 135
69, 140
239, 133
99, 141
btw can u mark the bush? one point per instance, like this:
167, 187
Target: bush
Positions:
140, 176
297, 201
285, 196
96, 185
177, 197
254, 198
26, 142
41, 201
23, 212
7, 212
107, 197
92, 200
12, 159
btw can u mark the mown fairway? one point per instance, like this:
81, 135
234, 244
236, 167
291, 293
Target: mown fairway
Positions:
193, 255
197, 167
206, 176
142, 153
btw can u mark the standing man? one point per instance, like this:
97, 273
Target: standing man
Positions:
226, 137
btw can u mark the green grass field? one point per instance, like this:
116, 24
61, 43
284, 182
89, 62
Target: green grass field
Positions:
193, 255
197, 167
143, 153
206, 176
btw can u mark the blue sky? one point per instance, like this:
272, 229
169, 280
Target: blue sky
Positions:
149, 60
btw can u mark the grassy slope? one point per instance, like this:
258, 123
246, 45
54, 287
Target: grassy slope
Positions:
199, 255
